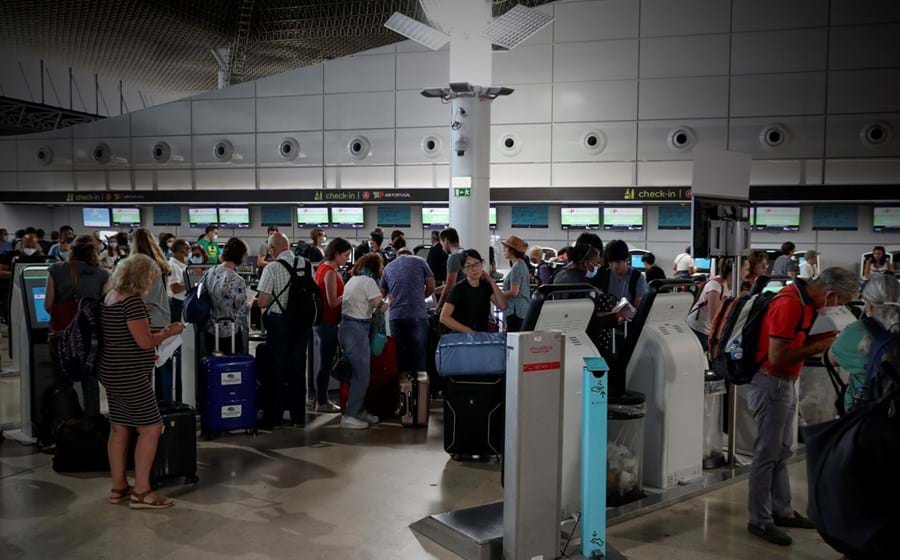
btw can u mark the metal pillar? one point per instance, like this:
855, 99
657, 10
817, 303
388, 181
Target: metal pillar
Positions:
470, 171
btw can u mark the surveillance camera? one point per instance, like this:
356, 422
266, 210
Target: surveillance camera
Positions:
460, 146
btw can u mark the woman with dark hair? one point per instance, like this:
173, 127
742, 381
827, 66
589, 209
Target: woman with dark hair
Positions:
314, 250
67, 283
707, 306
166, 240
878, 262
468, 307
361, 298
331, 286
752, 268
584, 262
516, 288
228, 292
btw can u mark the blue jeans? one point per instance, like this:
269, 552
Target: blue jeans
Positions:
328, 342
285, 387
411, 337
354, 337
773, 402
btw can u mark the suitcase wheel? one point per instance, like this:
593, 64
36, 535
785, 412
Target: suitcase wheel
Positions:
193, 479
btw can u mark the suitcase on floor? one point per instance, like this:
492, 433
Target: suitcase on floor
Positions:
478, 353
415, 396
382, 394
230, 398
81, 446
474, 420
176, 452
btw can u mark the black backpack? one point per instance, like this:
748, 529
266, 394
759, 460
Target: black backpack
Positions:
603, 283
304, 305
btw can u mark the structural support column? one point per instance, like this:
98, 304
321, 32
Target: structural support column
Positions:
470, 171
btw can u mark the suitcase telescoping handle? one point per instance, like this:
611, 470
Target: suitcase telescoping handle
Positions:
233, 329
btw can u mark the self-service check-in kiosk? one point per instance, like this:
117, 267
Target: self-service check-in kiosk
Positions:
192, 341
636, 257
29, 332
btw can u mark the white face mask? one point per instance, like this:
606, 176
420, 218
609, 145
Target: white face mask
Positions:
29, 251
196, 260
169, 244
113, 244
829, 310
592, 272
64, 255
215, 237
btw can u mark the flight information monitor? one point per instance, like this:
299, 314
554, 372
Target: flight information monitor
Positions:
886, 219
167, 215
436, 217
95, 217
312, 216
579, 217
777, 218
234, 217
348, 217
674, 217
394, 216
275, 216
202, 217
835, 218
492, 218
623, 219
128, 217
530, 217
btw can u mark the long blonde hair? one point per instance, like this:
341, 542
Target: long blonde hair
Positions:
134, 275
146, 244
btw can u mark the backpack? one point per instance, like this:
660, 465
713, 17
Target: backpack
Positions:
734, 340
884, 350
698, 305
197, 304
304, 305
79, 345
604, 277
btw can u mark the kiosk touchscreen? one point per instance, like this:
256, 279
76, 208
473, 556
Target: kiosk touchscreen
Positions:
637, 256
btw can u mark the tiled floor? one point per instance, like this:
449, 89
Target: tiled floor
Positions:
324, 493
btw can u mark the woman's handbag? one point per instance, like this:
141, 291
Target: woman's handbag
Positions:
378, 334
341, 368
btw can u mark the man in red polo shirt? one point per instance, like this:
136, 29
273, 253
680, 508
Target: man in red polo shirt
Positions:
772, 394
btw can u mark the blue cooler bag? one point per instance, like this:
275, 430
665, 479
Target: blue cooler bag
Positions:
471, 354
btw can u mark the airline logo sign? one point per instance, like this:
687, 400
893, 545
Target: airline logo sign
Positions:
650, 194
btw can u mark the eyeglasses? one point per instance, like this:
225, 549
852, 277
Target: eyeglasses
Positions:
474, 265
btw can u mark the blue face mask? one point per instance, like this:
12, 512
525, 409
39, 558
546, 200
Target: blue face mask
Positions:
592, 272
196, 260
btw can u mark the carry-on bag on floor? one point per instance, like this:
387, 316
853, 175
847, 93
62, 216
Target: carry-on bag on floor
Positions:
474, 416
230, 398
415, 393
176, 452
81, 446
471, 354
381, 397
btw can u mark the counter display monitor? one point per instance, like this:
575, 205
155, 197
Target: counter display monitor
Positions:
530, 217
394, 216
579, 217
777, 218
492, 218
886, 219
435, 217
835, 218
234, 217
348, 217
674, 217
637, 262
312, 216
702, 265
128, 217
623, 219
95, 217
167, 215
38, 294
275, 216
202, 217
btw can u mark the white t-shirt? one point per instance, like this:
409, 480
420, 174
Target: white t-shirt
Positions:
683, 263
698, 318
357, 293
177, 277
807, 270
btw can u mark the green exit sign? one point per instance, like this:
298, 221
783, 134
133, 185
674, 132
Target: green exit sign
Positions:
462, 192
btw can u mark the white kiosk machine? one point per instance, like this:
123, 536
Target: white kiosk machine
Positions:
30, 328
191, 342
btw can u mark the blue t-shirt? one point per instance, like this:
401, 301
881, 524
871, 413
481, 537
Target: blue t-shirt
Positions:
6, 246
618, 287
517, 276
404, 279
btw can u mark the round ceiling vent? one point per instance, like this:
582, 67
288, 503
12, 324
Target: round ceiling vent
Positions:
431, 146
289, 149
594, 141
682, 139
774, 135
358, 147
161, 152
101, 153
223, 150
44, 155
510, 145
876, 133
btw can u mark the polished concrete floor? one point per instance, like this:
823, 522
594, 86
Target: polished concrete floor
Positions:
325, 493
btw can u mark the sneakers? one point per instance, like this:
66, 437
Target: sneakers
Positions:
370, 418
351, 423
328, 407
771, 533
796, 522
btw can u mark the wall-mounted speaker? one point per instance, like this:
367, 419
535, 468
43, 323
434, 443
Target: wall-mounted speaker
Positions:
876, 133
223, 150
101, 153
358, 147
289, 149
161, 152
44, 155
682, 139
773, 135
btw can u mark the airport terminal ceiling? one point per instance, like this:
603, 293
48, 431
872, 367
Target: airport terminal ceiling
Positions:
166, 44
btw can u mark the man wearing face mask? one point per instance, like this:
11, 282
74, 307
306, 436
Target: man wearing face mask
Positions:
620, 280
772, 394
67, 236
209, 245
198, 255
29, 253
5, 245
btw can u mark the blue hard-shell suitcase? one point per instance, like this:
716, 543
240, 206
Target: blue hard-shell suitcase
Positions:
230, 398
480, 353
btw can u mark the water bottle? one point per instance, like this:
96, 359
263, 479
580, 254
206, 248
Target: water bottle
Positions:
735, 351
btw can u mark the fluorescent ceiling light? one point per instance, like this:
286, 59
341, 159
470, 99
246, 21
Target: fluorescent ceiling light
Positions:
516, 25
417, 31
437, 12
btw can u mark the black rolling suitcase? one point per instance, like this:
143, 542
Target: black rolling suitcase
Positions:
176, 453
474, 416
